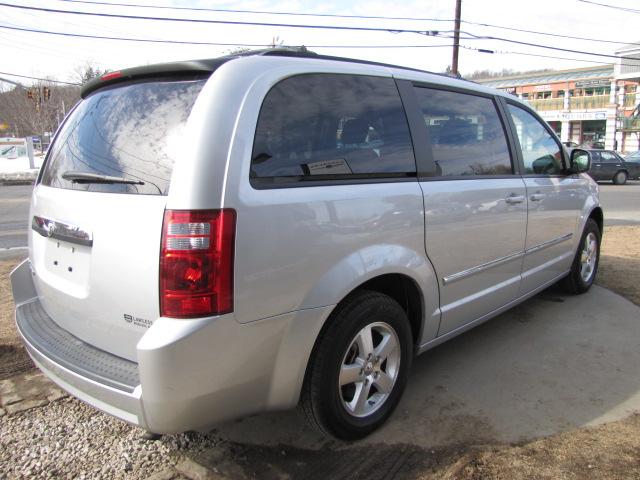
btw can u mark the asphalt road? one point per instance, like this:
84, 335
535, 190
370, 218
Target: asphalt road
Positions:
14, 213
621, 205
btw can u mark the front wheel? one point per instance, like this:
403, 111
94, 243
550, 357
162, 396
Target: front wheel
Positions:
360, 366
585, 263
620, 178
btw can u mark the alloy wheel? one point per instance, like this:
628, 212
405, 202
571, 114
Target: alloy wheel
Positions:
369, 369
588, 257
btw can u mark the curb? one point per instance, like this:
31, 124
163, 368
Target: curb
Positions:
18, 178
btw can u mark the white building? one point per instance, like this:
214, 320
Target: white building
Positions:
593, 105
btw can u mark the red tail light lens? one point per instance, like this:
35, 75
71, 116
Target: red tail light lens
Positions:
196, 263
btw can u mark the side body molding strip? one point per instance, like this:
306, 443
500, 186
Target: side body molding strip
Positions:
499, 261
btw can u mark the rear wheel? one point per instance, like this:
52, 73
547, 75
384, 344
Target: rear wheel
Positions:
620, 178
585, 263
359, 367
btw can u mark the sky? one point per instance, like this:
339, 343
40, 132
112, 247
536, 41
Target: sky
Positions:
60, 58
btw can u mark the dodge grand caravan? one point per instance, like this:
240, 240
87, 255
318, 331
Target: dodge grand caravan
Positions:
215, 238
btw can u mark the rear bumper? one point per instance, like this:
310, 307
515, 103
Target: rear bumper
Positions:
124, 405
190, 375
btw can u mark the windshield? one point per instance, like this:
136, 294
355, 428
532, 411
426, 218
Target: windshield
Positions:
133, 131
633, 157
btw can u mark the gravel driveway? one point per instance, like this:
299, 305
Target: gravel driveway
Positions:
68, 439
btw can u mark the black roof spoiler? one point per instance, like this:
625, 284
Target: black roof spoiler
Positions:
150, 71
208, 66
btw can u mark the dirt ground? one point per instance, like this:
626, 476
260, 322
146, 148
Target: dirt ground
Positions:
610, 451
13, 357
619, 269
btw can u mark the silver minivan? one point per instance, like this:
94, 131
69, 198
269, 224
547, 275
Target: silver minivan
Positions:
211, 239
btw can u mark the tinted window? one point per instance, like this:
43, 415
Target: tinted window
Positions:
595, 156
540, 152
311, 126
133, 131
466, 133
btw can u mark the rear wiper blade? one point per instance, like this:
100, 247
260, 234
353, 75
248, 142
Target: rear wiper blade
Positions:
85, 177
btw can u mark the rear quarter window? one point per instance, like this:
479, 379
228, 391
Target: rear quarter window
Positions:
331, 127
133, 131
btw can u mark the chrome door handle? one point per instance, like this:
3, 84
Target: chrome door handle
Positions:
536, 197
513, 199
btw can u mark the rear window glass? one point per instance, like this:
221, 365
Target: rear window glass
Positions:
326, 126
132, 132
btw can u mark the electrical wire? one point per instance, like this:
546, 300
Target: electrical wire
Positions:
507, 52
184, 42
330, 27
558, 35
222, 22
616, 7
39, 78
368, 17
538, 45
259, 12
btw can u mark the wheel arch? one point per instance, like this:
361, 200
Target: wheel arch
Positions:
622, 170
598, 216
402, 288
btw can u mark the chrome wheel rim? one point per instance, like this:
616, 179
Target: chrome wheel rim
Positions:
369, 369
588, 257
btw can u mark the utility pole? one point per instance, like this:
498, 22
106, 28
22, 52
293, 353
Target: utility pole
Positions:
456, 39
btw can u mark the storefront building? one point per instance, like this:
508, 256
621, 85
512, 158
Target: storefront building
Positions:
593, 106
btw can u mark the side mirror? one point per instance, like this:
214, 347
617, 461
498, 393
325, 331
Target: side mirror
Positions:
579, 161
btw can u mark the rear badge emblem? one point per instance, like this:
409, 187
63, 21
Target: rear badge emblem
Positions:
137, 321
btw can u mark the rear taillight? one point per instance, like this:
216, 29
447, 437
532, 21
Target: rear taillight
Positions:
196, 263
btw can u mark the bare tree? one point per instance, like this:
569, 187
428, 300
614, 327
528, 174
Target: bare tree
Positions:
37, 109
86, 72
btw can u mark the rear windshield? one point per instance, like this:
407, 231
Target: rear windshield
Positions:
132, 132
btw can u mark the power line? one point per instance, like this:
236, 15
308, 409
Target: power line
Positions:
184, 42
329, 15
224, 22
625, 9
507, 52
538, 45
39, 78
333, 27
259, 12
558, 35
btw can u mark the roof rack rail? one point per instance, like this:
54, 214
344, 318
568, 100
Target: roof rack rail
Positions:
302, 51
206, 66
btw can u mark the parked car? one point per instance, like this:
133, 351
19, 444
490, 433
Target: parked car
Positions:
607, 165
592, 145
570, 145
216, 238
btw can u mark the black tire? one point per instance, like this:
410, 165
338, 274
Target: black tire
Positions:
574, 283
620, 178
322, 399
